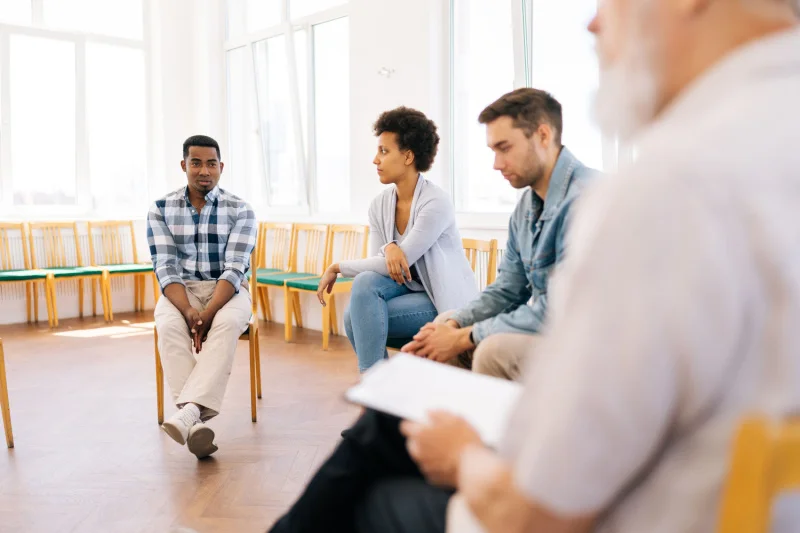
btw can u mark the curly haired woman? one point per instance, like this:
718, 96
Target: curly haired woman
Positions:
416, 267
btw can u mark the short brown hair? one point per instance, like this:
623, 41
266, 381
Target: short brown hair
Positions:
529, 108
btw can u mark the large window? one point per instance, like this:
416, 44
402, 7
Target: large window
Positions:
498, 46
564, 63
288, 64
73, 107
483, 69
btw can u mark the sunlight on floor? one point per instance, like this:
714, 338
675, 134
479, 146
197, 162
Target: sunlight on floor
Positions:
114, 332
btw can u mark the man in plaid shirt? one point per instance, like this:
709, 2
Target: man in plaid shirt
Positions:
200, 238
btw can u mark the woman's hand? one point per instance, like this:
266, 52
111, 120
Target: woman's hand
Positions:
396, 264
327, 282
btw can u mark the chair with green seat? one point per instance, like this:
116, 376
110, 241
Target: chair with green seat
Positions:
112, 247
61, 258
273, 256
344, 242
15, 268
312, 238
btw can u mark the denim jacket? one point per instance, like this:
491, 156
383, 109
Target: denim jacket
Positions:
536, 235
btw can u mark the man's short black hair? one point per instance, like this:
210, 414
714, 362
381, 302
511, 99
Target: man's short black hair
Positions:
414, 131
529, 108
200, 140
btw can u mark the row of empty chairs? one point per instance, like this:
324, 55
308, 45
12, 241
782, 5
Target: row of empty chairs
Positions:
42, 254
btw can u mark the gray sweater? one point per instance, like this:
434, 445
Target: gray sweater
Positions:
432, 244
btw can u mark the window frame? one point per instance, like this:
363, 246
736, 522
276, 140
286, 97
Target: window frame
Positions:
523, 14
79, 40
305, 146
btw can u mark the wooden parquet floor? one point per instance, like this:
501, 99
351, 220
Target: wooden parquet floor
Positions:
90, 457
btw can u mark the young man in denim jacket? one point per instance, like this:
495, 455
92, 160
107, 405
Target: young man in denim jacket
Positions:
496, 332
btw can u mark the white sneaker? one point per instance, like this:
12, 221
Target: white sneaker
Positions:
179, 424
201, 440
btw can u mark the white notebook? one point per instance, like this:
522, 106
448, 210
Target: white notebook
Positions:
409, 387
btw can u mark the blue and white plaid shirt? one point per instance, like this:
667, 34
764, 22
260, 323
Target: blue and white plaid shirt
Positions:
211, 245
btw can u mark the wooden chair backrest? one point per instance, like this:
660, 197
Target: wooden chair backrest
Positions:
765, 463
346, 242
314, 239
482, 257
55, 250
274, 247
107, 243
13, 252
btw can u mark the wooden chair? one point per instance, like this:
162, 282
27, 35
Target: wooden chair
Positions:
313, 238
482, 257
344, 242
63, 261
275, 245
765, 462
4, 399
115, 253
15, 267
251, 334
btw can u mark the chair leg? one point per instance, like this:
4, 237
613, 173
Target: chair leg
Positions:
263, 300
251, 344
28, 300
135, 293
94, 296
159, 381
4, 400
334, 319
35, 298
288, 308
50, 287
80, 297
258, 365
110, 309
142, 283
298, 316
326, 322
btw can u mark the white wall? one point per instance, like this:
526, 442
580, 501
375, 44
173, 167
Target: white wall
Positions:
188, 82
412, 42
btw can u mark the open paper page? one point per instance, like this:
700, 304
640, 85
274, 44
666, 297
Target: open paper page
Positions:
409, 387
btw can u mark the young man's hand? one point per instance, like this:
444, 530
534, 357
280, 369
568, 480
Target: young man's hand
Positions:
192, 318
439, 342
200, 331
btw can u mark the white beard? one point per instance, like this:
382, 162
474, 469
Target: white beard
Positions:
627, 96
625, 101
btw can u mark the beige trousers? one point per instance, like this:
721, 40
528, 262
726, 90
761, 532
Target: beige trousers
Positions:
502, 355
200, 378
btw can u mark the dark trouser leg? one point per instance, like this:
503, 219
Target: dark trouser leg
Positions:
403, 505
371, 451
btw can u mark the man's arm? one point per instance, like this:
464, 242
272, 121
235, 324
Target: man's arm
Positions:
509, 291
529, 319
488, 501
164, 254
241, 241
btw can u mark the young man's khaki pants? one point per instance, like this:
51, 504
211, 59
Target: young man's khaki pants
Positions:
200, 378
501, 355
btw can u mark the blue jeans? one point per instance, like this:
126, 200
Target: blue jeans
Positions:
380, 309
